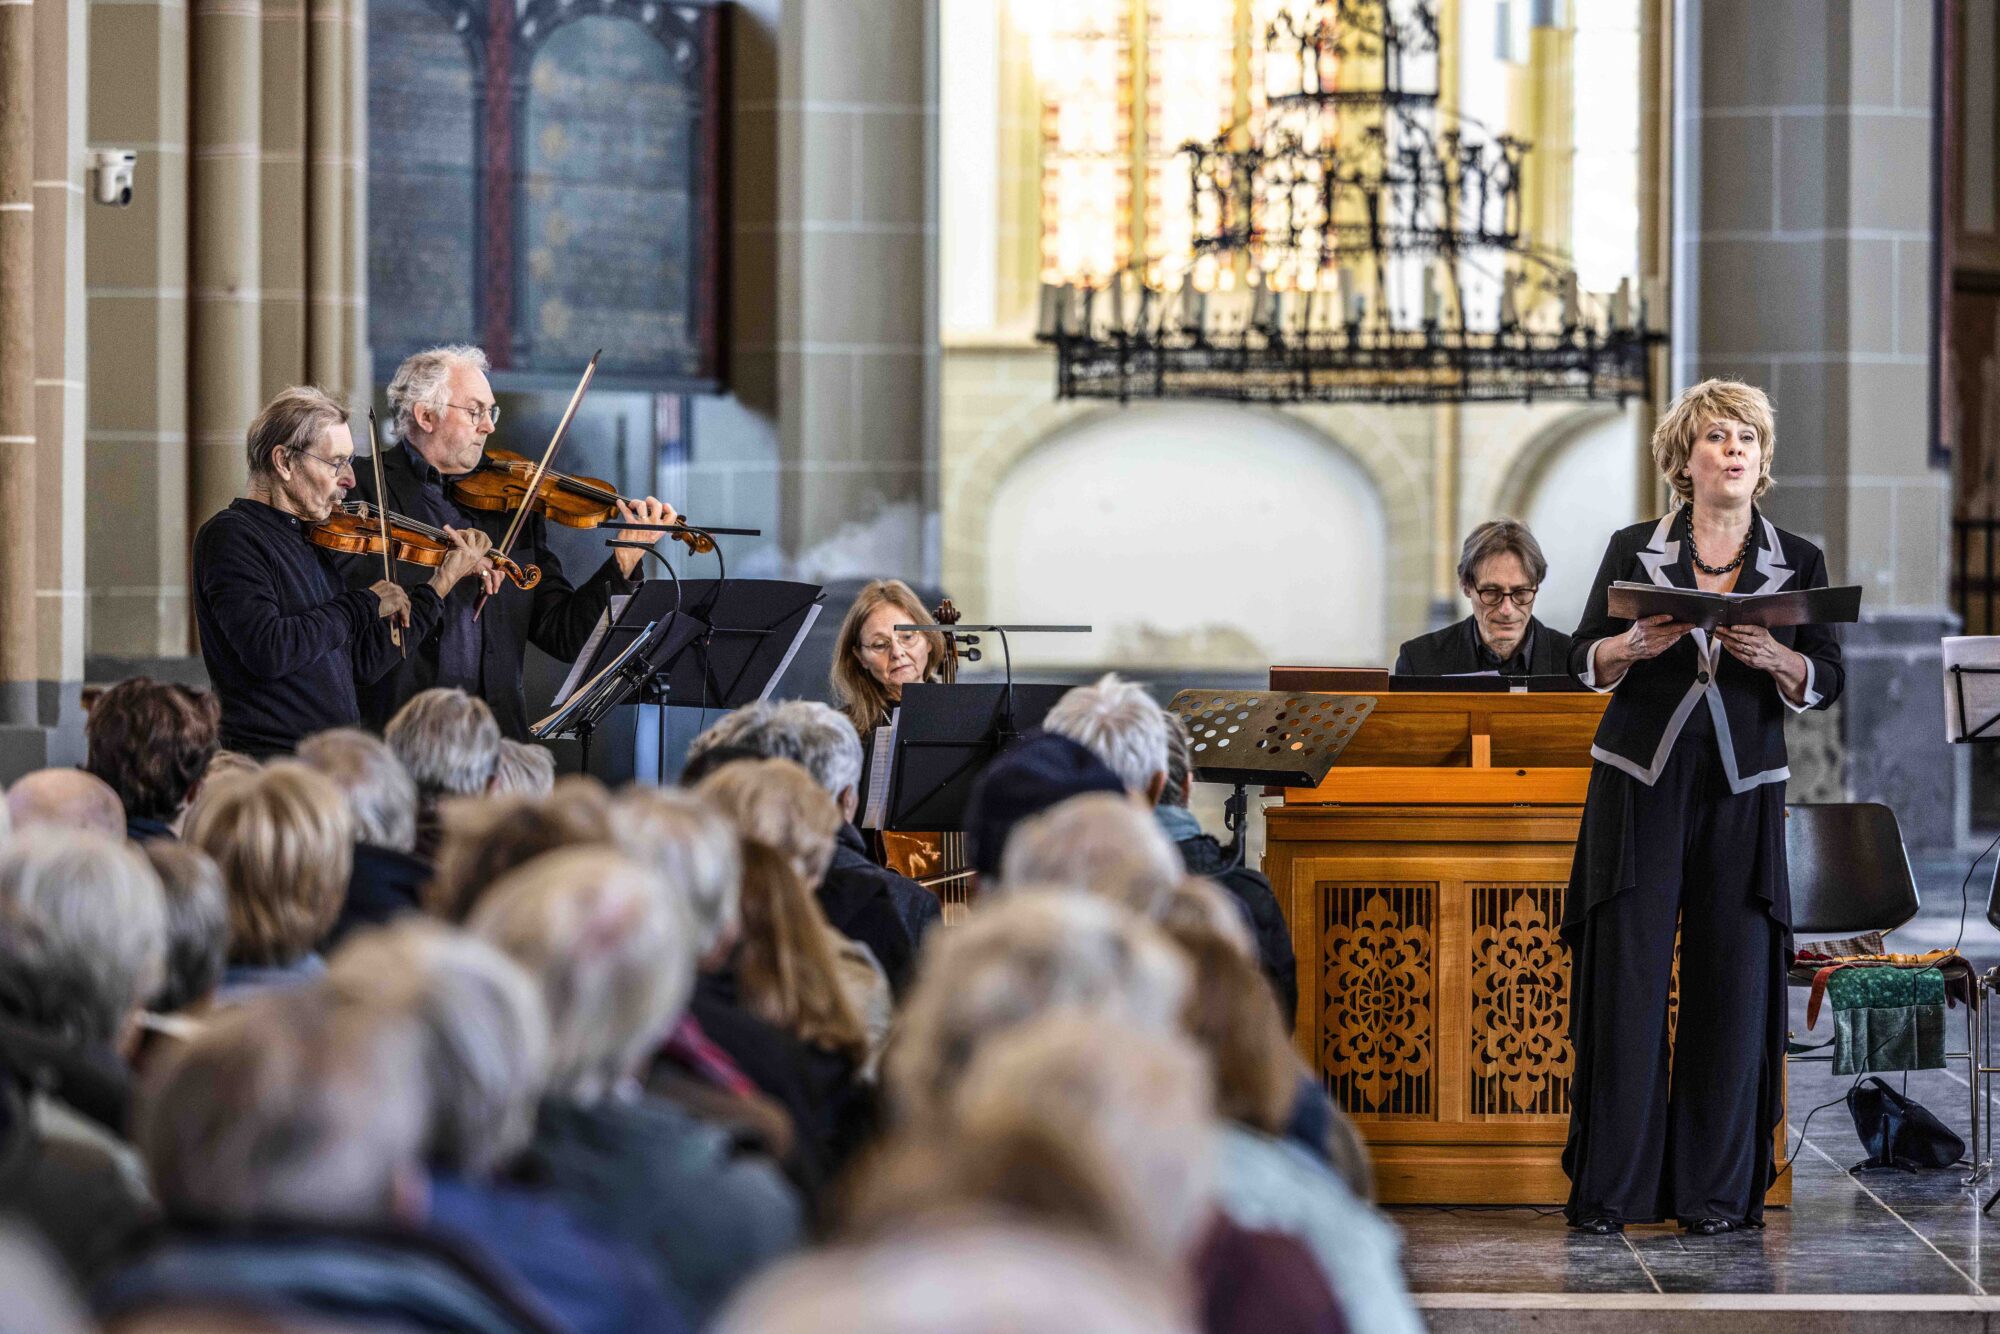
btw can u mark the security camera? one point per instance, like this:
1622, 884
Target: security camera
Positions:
111, 175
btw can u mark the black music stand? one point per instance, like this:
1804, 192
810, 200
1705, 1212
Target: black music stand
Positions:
617, 674
945, 736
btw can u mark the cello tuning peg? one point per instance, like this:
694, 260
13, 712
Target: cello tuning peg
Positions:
972, 655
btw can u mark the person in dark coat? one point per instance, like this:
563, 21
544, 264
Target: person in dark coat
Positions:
445, 410
1683, 833
1247, 886
287, 642
388, 877
1500, 570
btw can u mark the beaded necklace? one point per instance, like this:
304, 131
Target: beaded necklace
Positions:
1694, 553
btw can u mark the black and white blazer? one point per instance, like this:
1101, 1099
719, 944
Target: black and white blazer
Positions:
1651, 702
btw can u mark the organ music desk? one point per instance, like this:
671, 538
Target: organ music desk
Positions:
1424, 882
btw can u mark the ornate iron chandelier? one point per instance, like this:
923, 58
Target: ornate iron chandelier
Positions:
1353, 243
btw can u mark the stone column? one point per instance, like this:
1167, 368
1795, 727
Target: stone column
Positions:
225, 333
19, 656
329, 170
281, 195
1803, 265
136, 266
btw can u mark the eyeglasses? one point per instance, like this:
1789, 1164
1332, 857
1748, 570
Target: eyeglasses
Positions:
880, 648
489, 413
339, 466
1489, 595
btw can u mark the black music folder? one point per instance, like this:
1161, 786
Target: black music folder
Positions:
1706, 611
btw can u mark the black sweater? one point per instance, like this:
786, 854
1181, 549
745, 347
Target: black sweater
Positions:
283, 639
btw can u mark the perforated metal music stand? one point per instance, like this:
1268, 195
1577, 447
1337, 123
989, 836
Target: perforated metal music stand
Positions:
1277, 737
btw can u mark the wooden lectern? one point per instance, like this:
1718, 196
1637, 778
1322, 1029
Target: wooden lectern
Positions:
1424, 880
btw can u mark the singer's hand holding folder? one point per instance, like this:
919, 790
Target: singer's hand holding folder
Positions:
1706, 611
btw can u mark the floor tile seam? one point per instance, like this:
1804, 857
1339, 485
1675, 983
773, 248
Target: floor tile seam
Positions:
1977, 1287
1644, 1268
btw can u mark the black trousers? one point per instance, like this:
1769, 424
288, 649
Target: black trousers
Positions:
1681, 1126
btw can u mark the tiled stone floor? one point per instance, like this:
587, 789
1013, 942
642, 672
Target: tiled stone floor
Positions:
1878, 1232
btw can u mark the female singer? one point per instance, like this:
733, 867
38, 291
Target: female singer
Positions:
872, 663
1684, 825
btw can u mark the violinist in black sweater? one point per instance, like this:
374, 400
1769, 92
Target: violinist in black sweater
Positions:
285, 641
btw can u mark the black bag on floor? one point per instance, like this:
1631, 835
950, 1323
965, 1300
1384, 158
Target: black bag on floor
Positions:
1898, 1131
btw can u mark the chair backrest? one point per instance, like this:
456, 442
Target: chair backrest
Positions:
1993, 898
1850, 873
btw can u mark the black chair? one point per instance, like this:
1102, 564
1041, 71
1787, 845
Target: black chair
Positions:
1851, 876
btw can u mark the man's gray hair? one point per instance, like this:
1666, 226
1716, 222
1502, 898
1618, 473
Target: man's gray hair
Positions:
1013, 960
485, 1032
1118, 722
424, 380
1099, 843
816, 736
291, 423
694, 848
612, 952
1501, 537
447, 740
380, 793
197, 920
525, 769
83, 933
288, 1107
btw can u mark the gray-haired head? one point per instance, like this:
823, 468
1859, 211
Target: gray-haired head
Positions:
485, 1034
1119, 723
1013, 960
1099, 843
380, 793
1180, 762
1500, 537
694, 848
447, 740
964, 1276
526, 769
292, 423
197, 923
289, 1107
83, 933
424, 380
611, 951
816, 736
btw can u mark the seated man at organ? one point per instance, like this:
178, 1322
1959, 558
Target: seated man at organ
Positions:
1500, 570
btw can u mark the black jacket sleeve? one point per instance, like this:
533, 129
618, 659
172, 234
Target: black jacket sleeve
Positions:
563, 615
1820, 645
234, 579
1597, 621
375, 652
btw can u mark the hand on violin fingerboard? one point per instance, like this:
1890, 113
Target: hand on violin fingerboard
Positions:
645, 511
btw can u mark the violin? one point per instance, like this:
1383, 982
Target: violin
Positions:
355, 529
500, 484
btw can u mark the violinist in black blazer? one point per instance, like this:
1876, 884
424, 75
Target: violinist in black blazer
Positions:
1683, 828
1500, 570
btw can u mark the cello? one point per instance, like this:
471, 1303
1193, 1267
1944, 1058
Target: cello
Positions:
938, 861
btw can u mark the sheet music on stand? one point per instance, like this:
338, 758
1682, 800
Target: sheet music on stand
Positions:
574, 681
1972, 688
881, 762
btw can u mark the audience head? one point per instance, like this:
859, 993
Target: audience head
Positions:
786, 965
83, 934
1098, 843
197, 924
485, 839
226, 762
1231, 1013
290, 1107
1017, 959
152, 741
1180, 762
969, 1276
1139, 1101
525, 769
694, 849
380, 795
610, 948
873, 662
1039, 773
1120, 724
1500, 563
448, 741
66, 799
777, 803
285, 843
812, 735
485, 1034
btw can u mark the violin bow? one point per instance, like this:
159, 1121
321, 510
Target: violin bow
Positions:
382, 516
542, 468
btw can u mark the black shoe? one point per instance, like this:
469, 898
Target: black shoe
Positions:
1708, 1227
1598, 1227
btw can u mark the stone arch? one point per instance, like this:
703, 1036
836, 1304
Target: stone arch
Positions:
1543, 485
